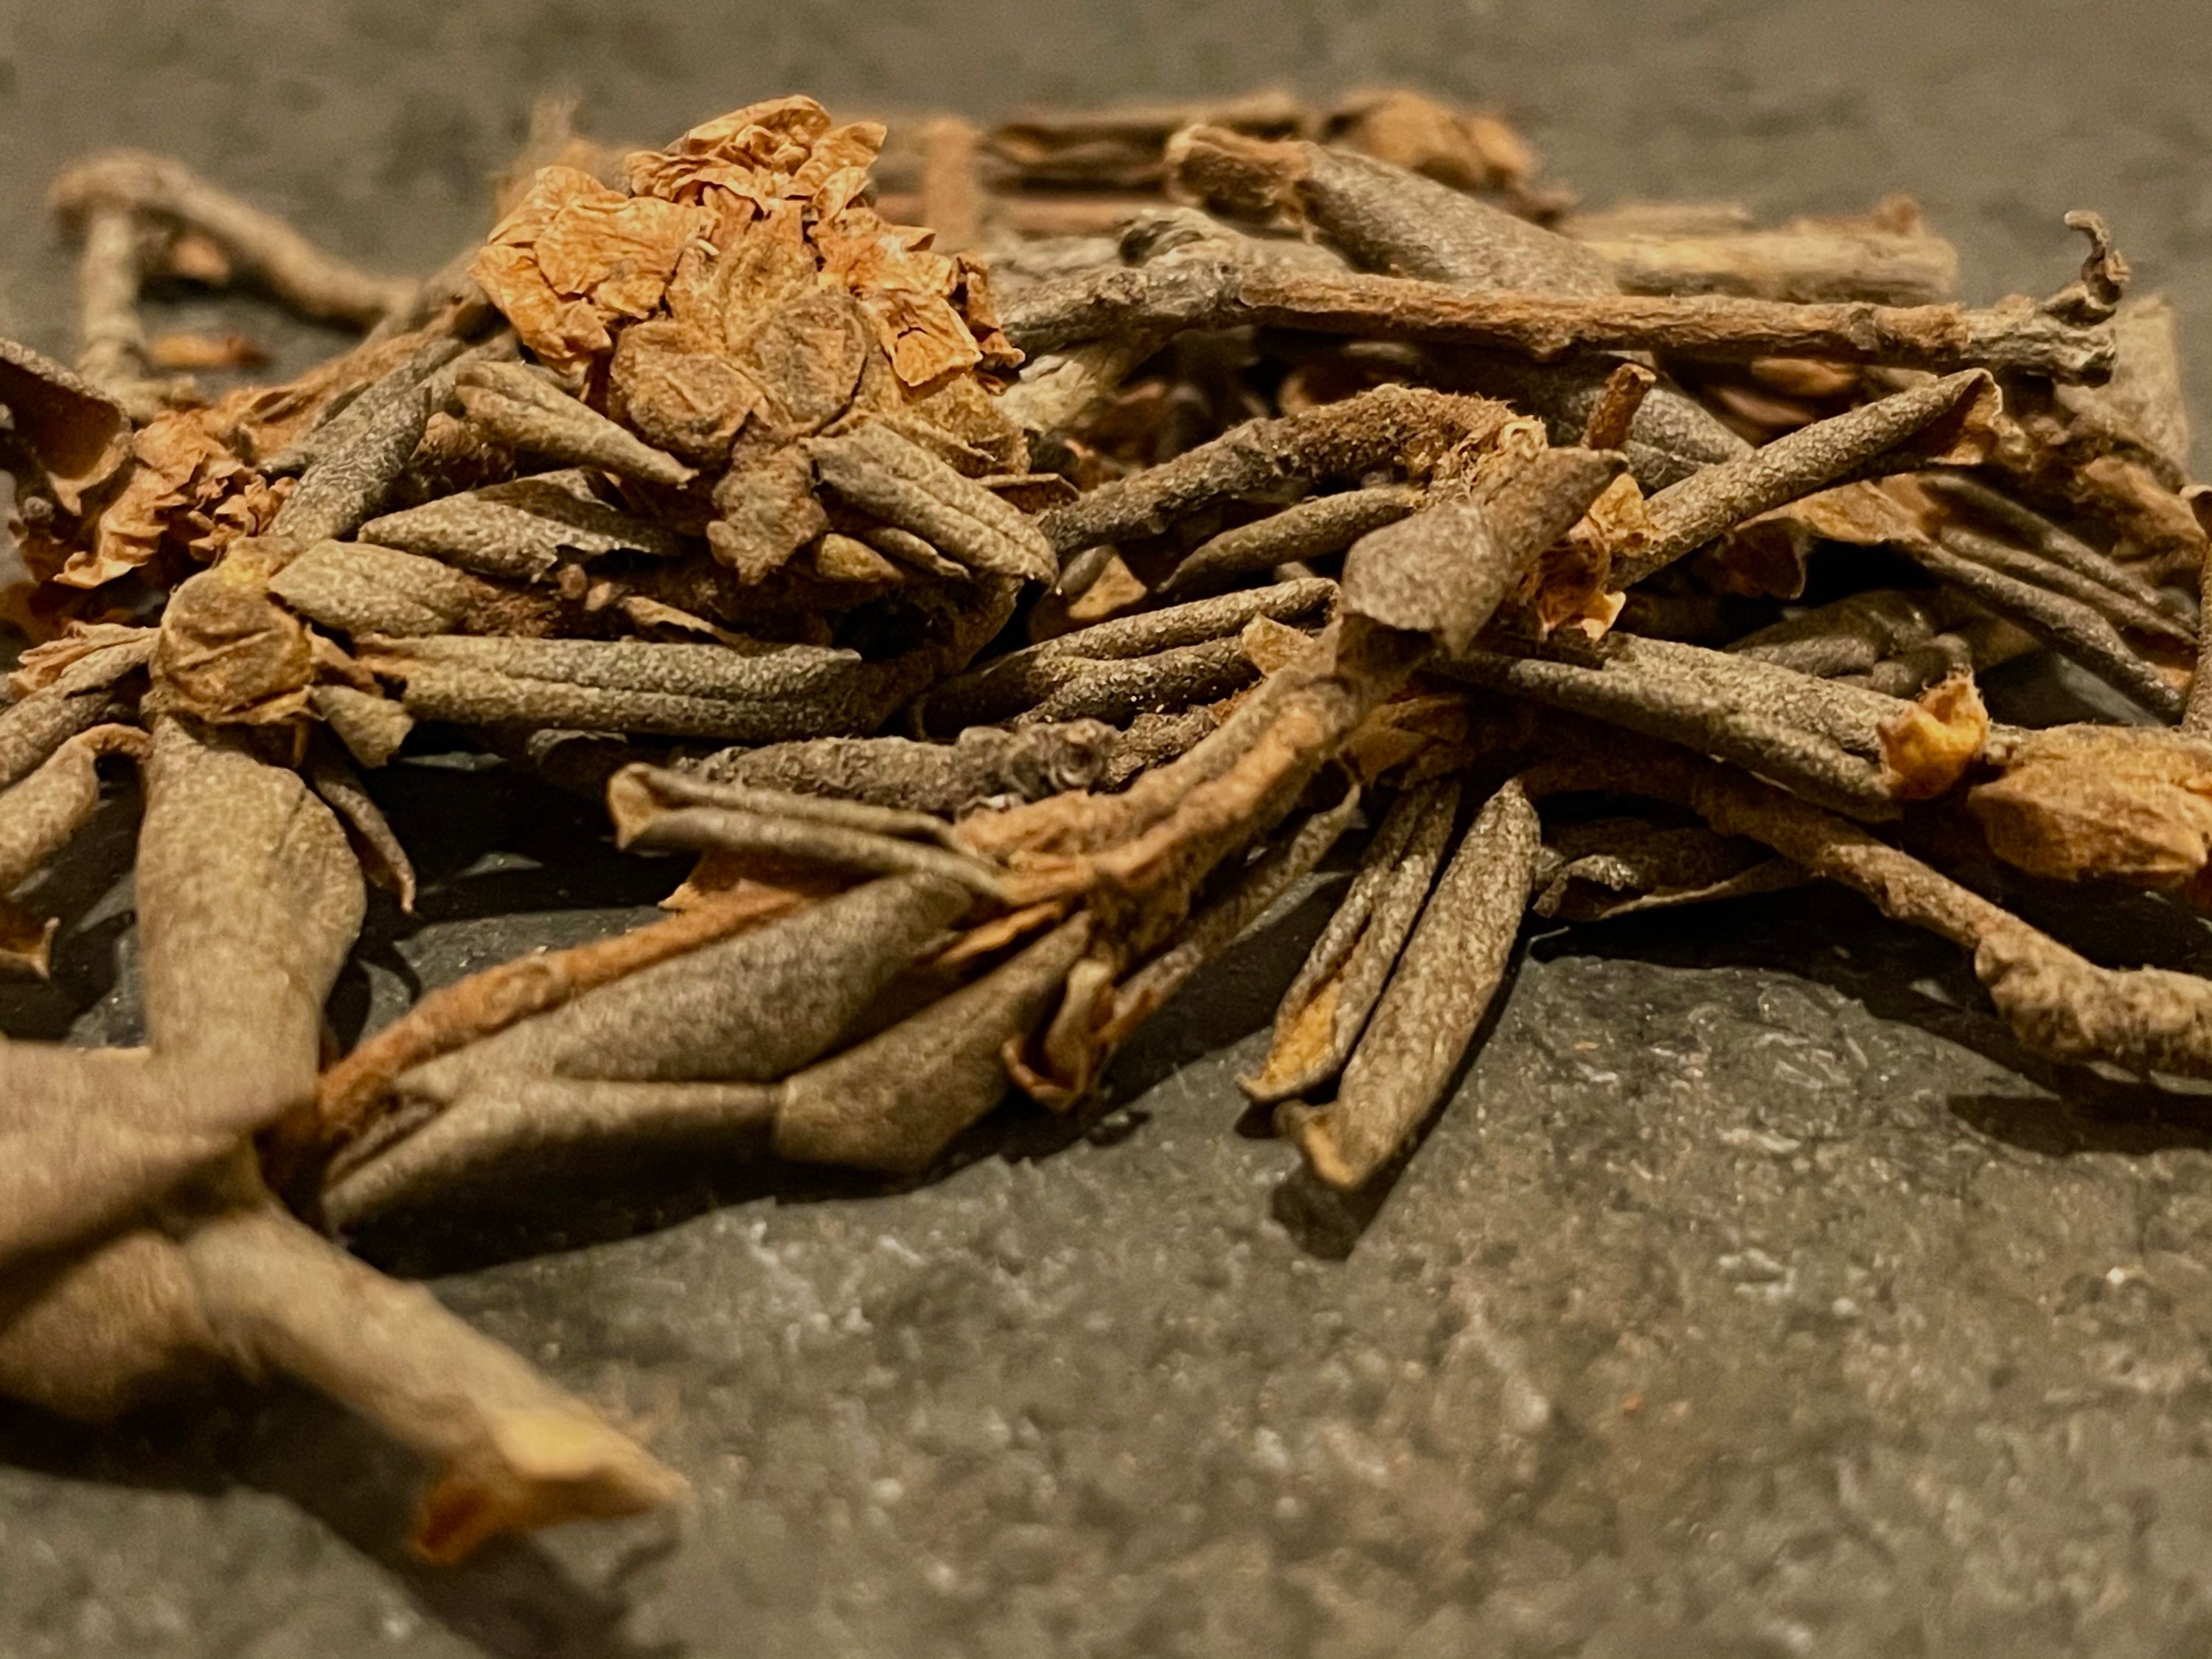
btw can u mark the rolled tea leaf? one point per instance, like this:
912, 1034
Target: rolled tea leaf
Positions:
1435, 1002
1325, 1010
359, 588
896, 1101
745, 1010
982, 763
654, 807
1443, 572
521, 529
249, 899
1306, 530
880, 472
38, 814
520, 407
1688, 516
78, 699
763, 696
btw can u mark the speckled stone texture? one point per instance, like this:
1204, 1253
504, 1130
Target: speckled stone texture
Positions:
1756, 1295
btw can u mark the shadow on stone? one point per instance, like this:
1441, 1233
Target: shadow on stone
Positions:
512, 1599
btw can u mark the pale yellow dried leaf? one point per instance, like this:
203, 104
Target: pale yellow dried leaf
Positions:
1928, 746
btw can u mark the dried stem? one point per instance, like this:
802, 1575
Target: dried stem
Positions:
310, 280
1214, 295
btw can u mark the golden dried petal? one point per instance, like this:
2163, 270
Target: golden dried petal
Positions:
78, 434
510, 277
1572, 583
1927, 748
1273, 646
752, 151
177, 464
1419, 133
575, 256
618, 250
927, 342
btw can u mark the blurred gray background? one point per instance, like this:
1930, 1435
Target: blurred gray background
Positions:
1755, 1296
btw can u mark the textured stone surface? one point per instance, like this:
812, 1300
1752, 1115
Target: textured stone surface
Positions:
1755, 1296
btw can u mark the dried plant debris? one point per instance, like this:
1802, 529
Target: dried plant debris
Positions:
997, 619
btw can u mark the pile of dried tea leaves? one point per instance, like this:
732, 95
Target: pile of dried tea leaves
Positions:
1003, 617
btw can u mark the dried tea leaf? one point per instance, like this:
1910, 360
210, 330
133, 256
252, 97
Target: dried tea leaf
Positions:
1327, 1005
520, 410
371, 727
984, 763
39, 814
882, 473
748, 1010
1435, 1001
1467, 152
521, 528
64, 688
895, 1102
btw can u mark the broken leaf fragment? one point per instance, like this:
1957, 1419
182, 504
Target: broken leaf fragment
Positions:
2077, 803
1927, 746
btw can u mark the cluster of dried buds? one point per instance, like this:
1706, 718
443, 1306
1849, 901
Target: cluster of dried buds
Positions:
1004, 648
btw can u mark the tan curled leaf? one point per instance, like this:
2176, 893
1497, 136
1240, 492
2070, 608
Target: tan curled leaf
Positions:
229, 653
2086, 802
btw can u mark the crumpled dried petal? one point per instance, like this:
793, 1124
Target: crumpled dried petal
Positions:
1766, 556
756, 152
737, 221
187, 487
2077, 803
1475, 151
669, 385
77, 433
1571, 586
576, 256
1927, 747
932, 314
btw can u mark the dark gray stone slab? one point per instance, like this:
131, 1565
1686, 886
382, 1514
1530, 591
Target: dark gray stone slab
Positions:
1754, 1297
